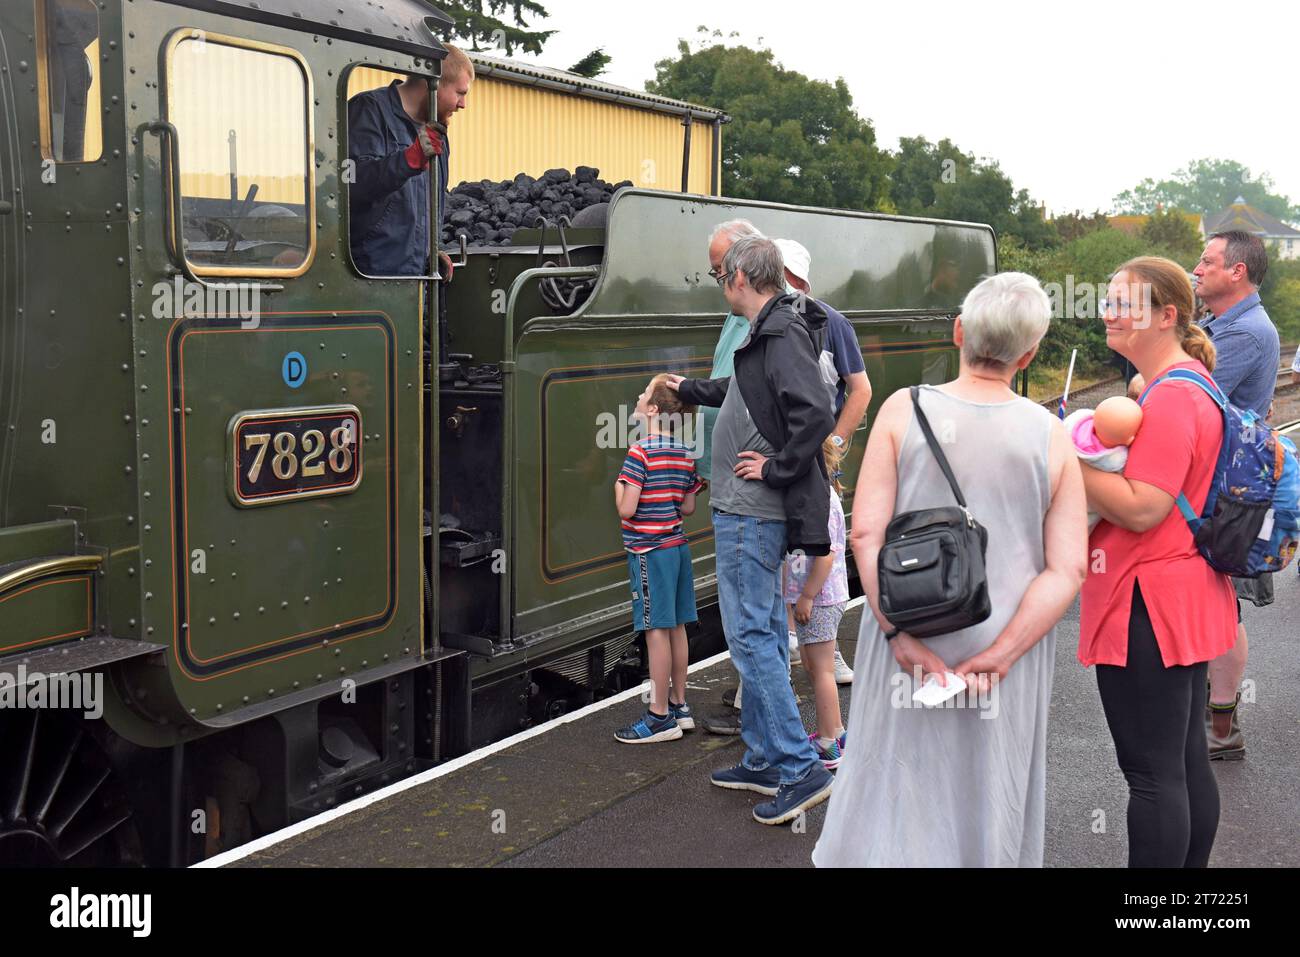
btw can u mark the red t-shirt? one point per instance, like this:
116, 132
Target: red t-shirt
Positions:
1192, 606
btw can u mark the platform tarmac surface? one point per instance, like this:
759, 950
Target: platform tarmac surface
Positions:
574, 797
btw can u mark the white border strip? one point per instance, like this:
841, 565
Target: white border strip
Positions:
318, 820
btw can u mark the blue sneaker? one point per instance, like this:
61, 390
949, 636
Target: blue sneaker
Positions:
683, 714
793, 799
741, 778
649, 730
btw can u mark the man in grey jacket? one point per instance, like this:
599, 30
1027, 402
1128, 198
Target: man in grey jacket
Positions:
769, 495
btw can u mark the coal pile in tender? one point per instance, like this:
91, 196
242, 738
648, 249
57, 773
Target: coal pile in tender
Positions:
487, 213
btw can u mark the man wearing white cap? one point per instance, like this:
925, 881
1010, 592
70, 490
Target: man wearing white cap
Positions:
842, 356
846, 377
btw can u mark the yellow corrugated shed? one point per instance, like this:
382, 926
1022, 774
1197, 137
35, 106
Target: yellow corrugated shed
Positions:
511, 127
263, 101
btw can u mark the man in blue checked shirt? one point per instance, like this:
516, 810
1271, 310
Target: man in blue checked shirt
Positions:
1248, 350
1248, 353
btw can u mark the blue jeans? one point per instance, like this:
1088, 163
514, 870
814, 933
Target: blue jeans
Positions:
749, 554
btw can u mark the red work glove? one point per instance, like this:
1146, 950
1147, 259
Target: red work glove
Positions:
427, 145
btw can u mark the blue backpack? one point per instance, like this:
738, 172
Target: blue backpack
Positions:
1251, 520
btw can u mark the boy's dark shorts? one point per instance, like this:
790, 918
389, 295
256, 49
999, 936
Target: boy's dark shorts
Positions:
663, 587
1257, 591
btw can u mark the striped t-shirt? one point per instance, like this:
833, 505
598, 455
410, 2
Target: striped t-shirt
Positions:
662, 468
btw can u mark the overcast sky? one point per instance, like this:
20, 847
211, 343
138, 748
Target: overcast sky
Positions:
1078, 102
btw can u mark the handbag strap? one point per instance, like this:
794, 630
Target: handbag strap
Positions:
934, 446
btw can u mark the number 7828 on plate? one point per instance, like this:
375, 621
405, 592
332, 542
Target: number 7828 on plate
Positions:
294, 454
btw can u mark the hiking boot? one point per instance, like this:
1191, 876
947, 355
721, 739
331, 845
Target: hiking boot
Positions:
1223, 731
793, 799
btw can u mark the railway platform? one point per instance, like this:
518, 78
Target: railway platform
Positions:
568, 795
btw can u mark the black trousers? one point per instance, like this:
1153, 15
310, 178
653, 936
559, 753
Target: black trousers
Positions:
1157, 718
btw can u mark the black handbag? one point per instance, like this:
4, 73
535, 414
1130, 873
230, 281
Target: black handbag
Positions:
931, 567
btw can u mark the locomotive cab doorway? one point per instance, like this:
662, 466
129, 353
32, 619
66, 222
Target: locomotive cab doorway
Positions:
292, 441
370, 99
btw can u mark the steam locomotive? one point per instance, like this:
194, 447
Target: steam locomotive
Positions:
296, 531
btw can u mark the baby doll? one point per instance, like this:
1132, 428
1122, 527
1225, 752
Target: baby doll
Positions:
1102, 437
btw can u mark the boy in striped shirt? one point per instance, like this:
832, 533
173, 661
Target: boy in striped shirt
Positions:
655, 488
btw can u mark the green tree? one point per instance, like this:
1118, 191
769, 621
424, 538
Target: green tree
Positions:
1280, 293
1207, 186
1073, 225
1075, 275
480, 22
919, 167
1283, 308
1171, 230
942, 181
592, 65
792, 139
1095, 257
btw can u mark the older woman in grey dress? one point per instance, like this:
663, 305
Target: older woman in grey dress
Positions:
963, 784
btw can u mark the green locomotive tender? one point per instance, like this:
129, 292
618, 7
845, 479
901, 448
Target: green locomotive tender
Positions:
294, 538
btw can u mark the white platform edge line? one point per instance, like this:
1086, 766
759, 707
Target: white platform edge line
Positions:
293, 830
319, 820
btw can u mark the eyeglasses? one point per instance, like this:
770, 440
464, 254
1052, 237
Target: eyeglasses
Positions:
721, 278
1121, 310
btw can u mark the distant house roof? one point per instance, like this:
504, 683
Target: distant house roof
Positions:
1241, 215
1133, 224
563, 81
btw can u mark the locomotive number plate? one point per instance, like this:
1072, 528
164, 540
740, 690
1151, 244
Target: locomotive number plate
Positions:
294, 453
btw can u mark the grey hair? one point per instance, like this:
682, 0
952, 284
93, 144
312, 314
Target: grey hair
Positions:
734, 229
759, 258
1003, 318
1240, 246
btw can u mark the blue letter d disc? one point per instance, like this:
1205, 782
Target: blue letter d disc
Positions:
294, 370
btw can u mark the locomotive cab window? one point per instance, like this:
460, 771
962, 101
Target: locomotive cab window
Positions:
242, 112
68, 67
387, 196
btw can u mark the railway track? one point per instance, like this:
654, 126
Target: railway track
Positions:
1090, 396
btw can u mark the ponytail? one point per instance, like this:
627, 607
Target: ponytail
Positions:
1198, 345
833, 456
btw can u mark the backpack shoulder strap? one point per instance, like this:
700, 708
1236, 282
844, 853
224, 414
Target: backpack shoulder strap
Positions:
1208, 386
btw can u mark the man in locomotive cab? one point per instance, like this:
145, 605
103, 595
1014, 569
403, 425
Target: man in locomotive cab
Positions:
392, 143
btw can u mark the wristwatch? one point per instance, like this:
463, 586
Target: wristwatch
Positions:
837, 441
893, 633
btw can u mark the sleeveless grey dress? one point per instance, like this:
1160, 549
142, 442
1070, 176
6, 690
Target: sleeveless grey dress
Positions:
961, 785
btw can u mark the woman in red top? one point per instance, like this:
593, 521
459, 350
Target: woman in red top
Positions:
1154, 613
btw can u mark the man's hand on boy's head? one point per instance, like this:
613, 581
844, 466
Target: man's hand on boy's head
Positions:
673, 381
